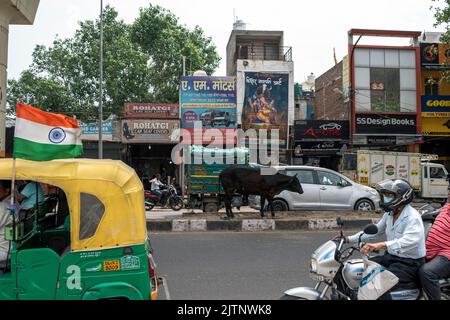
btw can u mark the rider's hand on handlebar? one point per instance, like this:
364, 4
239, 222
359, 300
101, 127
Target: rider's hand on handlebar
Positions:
368, 247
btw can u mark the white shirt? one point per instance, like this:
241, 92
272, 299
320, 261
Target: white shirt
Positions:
405, 238
5, 218
156, 184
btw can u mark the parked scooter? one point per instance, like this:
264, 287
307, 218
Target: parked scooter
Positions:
338, 277
169, 197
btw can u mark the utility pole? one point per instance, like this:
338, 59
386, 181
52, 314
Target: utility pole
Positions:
184, 66
100, 105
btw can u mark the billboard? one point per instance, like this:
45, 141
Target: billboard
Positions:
151, 111
150, 131
210, 100
266, 103
435, 106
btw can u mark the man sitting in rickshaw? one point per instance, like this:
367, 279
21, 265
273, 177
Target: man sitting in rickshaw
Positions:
5, 217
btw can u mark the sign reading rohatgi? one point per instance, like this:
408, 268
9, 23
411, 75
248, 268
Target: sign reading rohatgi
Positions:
149, 131
266, 103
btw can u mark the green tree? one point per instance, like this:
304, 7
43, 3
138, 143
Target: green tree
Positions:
64, 77
159, 34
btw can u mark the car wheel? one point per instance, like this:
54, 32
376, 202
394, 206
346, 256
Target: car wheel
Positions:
279, 205
364, 205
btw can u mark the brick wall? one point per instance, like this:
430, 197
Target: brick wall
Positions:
329, 104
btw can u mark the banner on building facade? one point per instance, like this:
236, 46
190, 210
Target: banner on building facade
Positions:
346, 78
150, 131
436, 127
209, 100
266, 103
317, 148
90, 131
381, 140
151, 111
321, 130
435, 106
385, 124
435, 55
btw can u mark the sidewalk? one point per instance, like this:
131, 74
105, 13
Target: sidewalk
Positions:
249, 220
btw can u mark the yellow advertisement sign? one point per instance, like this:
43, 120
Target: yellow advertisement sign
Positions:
436, 126
435, 114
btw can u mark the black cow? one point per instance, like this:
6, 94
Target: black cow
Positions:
249, 181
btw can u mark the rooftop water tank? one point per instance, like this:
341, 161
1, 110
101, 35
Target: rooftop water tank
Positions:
239, 25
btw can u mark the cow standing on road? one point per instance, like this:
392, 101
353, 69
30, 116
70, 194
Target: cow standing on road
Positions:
250, 181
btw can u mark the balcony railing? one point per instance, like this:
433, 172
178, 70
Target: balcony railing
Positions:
263, 52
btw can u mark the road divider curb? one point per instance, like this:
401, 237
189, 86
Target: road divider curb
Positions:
252, 225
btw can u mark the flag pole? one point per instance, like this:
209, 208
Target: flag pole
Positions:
100, 129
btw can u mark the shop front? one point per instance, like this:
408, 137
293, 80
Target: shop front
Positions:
320, 143
436, 127
149, 135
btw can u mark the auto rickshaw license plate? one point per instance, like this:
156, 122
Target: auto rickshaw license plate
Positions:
111, 265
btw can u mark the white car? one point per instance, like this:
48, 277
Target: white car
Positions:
324, 189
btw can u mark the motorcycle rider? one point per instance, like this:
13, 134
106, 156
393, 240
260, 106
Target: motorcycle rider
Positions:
438, 254
156, 185
404, 230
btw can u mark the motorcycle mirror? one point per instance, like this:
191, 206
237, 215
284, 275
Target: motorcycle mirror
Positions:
371, 229
339, 221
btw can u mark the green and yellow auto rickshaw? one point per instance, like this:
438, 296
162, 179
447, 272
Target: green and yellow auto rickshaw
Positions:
89, 241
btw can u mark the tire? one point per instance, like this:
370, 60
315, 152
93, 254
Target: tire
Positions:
279, 206
364, 205
149, 206
211, 208
176, 203
286, 297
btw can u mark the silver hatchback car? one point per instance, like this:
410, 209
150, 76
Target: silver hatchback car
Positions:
324, 189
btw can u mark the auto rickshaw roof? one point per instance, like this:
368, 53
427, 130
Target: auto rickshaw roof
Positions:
105, 198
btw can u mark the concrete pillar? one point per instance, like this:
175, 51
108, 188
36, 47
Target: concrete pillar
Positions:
4, 30
11, 12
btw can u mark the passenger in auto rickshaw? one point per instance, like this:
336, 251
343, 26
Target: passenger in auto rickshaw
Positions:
5, 217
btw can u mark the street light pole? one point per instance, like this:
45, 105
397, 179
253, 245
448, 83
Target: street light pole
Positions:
100, 106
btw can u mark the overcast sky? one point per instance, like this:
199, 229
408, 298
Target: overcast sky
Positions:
312, 28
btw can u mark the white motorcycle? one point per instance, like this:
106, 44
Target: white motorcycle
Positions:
338, 277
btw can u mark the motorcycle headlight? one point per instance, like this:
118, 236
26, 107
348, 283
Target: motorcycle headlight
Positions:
313, 265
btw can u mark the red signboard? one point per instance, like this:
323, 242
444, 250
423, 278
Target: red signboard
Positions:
151, 111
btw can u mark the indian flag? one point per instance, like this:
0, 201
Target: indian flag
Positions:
43, 136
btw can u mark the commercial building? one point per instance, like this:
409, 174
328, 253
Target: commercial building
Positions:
11, 12
264, 73
435, 96
376, 88
385, 91
148, 138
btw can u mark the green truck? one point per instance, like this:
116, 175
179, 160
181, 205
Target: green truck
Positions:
202, 176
